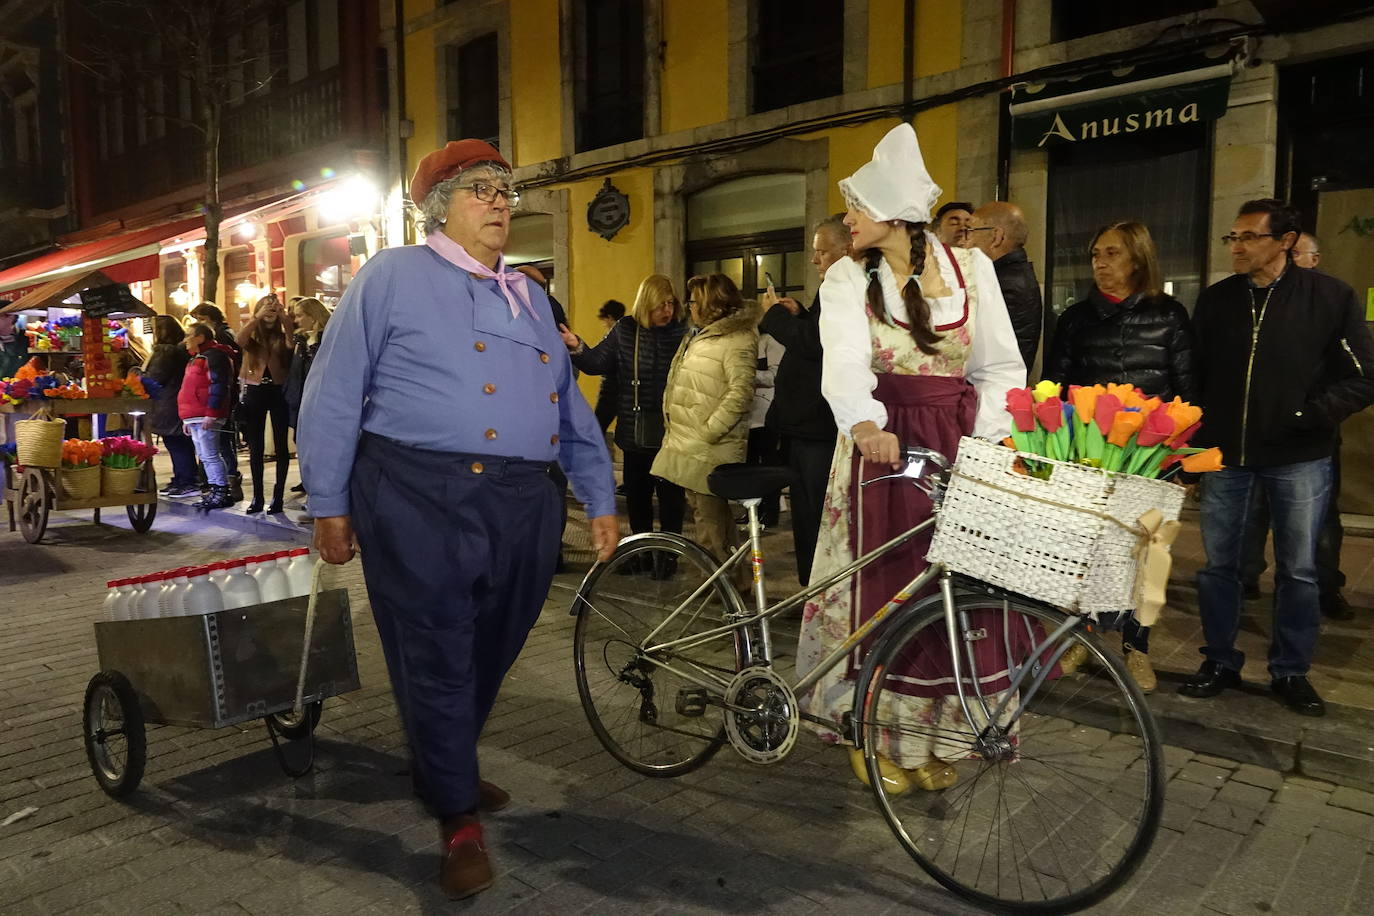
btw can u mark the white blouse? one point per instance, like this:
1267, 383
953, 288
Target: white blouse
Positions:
847, 379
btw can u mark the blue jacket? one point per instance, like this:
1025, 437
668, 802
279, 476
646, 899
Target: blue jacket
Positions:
424, 353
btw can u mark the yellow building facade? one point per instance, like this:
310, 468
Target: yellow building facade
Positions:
725, 162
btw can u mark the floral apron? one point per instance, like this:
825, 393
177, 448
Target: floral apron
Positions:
929, 403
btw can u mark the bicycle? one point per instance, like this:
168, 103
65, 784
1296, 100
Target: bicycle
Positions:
1060, 786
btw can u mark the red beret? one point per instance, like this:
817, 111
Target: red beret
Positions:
443, 164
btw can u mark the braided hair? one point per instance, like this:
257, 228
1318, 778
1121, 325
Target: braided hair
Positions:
917, 309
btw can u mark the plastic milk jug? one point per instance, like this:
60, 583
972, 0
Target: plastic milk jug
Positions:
238, 589
171, 601
272, 583
202, 595
299, 568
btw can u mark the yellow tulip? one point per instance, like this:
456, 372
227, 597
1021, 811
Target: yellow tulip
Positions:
1045, 389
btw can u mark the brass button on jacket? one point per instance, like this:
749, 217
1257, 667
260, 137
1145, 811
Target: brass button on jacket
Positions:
479, 346
553, 440
491, 434
476, 467
543, 357
488, 388
553, 397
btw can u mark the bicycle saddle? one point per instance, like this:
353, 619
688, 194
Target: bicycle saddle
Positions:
748, 481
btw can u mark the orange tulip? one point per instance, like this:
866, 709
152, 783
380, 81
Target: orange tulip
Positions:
1183, 414
1084, 400
1203, 462
1125, 425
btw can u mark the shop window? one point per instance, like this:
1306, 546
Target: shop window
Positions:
327, 34
240, 284
609, 84
474, 108
176, 298
749, 228
1160, 179
1070, 19
326, 267
798, 52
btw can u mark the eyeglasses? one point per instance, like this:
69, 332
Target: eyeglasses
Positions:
486, 193
1248, 238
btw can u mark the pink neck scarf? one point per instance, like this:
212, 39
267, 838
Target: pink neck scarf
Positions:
512, 282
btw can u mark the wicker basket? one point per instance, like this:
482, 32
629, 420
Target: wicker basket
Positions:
1047, 539
80, 483
40, 442
119, 481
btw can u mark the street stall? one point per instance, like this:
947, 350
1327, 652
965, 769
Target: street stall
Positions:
75, 322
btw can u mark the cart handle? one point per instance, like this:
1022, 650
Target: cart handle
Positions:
315, 576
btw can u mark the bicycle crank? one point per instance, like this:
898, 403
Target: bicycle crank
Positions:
761, 715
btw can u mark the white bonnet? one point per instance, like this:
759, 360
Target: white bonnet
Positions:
894, 184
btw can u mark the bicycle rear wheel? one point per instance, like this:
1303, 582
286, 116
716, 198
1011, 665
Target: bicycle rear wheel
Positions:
1049, 815
658, 714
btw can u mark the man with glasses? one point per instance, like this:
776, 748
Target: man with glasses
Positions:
434, 412
999, 230
1330, 579
1283, 357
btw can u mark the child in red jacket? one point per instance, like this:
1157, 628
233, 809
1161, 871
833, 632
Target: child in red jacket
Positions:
203, 405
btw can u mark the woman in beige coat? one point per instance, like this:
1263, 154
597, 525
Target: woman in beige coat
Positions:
706, 404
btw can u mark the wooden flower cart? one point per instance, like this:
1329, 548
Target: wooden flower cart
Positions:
32, 494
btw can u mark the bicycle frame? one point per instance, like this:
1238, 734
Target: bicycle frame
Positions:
761, 616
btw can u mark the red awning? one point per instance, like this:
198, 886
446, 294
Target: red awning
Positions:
140, 264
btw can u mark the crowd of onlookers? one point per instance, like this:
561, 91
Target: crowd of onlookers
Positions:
1276, 354
219, 390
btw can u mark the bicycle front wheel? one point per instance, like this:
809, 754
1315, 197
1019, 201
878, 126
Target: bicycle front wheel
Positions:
1054, 806
659, 713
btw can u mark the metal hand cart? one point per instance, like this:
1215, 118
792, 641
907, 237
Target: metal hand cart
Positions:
32, 494
212, 671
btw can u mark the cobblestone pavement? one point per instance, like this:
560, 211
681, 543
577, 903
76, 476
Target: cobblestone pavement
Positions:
216, 827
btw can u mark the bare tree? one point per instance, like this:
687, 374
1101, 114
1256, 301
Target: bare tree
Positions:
129, 45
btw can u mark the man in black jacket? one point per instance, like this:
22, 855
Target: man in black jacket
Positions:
799, 413
999, 229
1284, 356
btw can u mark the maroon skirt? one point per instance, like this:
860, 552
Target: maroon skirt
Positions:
934, 412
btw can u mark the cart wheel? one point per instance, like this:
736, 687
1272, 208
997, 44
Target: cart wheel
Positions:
141, 516
292, 726
116, 742
35, 499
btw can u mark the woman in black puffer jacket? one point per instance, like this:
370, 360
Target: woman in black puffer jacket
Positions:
654, 328
1127, 330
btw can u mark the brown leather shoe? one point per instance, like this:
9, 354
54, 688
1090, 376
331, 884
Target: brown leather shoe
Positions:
464, 870
491, 797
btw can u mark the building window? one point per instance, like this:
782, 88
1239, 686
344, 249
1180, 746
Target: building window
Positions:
1070, 19
326, 267
1143, 177
750, 228
474, 108
609, 84
798, 52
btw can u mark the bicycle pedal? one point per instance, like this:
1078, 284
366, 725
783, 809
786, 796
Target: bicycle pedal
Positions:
691, 702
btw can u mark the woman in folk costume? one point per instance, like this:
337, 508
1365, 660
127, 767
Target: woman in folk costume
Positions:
919, 350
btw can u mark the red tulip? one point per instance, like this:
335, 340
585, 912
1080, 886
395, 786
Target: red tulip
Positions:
1158, 426
1050, 413
1104, 412
1021, 405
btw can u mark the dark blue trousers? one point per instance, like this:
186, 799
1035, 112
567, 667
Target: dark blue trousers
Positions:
458, 552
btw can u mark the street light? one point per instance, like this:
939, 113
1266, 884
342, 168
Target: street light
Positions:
356, 198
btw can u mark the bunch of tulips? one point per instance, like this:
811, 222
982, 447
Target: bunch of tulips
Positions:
82, 453
1113, 427
125, 452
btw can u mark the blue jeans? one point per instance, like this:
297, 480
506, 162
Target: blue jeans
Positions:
207, 442
1298, 495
